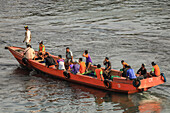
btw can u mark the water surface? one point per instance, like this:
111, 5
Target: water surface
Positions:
134, 30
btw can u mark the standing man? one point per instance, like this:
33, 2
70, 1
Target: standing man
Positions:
69, 55
27, 36
88, 59
107, 69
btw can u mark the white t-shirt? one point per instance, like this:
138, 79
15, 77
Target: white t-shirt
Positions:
30, 53
27, 36
61, 65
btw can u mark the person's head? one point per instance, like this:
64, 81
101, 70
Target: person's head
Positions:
128, 67
67, 49
26, 27
98, 66
40, 53
143, 65
106, 59
153, 63
122, 61
71, 62
59, 56
75, 62
28, 45
41, 42
46, 54
80, 59
86, 51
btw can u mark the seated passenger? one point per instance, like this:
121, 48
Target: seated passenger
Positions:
142, 71
41, 48
124, 69
49, 61
107, 69
124, 63
29, 52
155, 70
82, 66
88, 59
99, 73
130, 73
76, 68
70, 66
60, 62
40, 56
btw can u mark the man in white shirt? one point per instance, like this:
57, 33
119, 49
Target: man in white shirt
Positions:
27, 36
60, 62
61, 65
29, 52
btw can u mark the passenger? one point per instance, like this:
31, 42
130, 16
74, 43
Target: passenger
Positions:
155, 70
82, 66
60, 62
88, 59
40, 56
142, 71
70, 66
41, 48
27, 36
76, 68
49, 61
107, 69
130, 73
29, 52
124, 69
124, 63
69, 55
99, 73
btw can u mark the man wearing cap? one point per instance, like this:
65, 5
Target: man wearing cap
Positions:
27, 36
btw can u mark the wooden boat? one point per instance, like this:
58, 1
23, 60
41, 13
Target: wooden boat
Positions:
118, 84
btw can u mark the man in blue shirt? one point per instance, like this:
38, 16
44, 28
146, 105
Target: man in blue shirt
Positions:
130, 73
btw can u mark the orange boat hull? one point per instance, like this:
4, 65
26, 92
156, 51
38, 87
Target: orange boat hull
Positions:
117, 85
